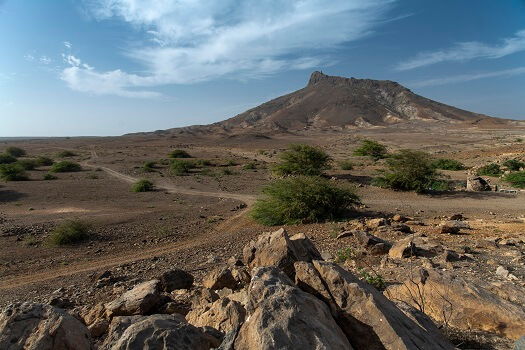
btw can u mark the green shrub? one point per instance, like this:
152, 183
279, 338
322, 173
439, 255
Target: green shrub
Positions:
516, 179
230, 162
491, 169
65, 166
448, 164
513, 164
44, 161
180, 166
7, 158
203, 162
49, 176
519, 140
226, 172
15, 151
374, 279
346, 165
149, 166
12, 172
302, 199
372, 149
345, 254
410, 170
179, 153
70, 232
143, 186
27, 164
250, 166
301, 159
65, 154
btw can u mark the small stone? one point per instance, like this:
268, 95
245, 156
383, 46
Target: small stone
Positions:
502, 272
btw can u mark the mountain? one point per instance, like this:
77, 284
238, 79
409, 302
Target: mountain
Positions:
337, 103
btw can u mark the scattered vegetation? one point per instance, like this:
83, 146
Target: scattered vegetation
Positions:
516, 179
226, 172
44, 161
143, 186
65, 154
203, 162
92, 176
230, 162
65, 166
15, 152
301, 159
513, 164
180, 166
491, 169
372, 149
410, 170
346, 165
374, 279
70, 232
13, 172
250, 166
7, 158
519, 140
179, 153
149, 166
448, 164
49, 176
345, 254
27, 164
302, 199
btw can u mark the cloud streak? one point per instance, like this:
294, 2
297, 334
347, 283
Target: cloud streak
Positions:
191, 41
467, 77
466, 51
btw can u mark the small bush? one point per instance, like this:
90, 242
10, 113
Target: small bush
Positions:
15, 151
519, 140
513, 164
44, 161
516, 179
180, 166
230, 162
410, 170
70, 232
143, 186
65, 154
448, 164
250, 166
226, 172
302, 199
179, 153
372, 149
149, 166
491, 169
65, 166
49, 176
92, 176
27, 164
346, 165
301, 159
12, 172
345, 254
7, 158
374, 279
203, 162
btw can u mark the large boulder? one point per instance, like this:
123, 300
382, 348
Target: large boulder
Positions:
175, 279
281, 316
160, 332
224, 315
367, 317
32, 326
219, 278
277, 249
460, 303
477, 184
137, 301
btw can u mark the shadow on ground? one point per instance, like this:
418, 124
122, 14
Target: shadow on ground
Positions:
10, 196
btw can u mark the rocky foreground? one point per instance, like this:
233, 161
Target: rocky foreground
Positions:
280, 295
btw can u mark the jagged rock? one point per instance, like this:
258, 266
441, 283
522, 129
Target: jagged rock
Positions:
224, 314
366, 239
477, 184
162, 332
376, 223
175, 279
449, 256
138, 301
98, 327
32, 326
403, 249
368, 318
345, 234
502, 272
402, 228
203, 297
241, 275
399, 218
219, 278
460, 303
277, 249
281, 316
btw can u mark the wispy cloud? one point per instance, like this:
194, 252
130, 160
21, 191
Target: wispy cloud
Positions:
466, 51
5, 77
467, 77
67, 44
45, 60
29, 57
190, 41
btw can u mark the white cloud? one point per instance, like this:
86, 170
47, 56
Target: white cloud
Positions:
467, 77
45, 60
67, 44
466, 51
191, 41
29, 57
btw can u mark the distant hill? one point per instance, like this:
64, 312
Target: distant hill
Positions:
330, 102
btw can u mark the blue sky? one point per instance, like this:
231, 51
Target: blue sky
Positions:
109, 67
